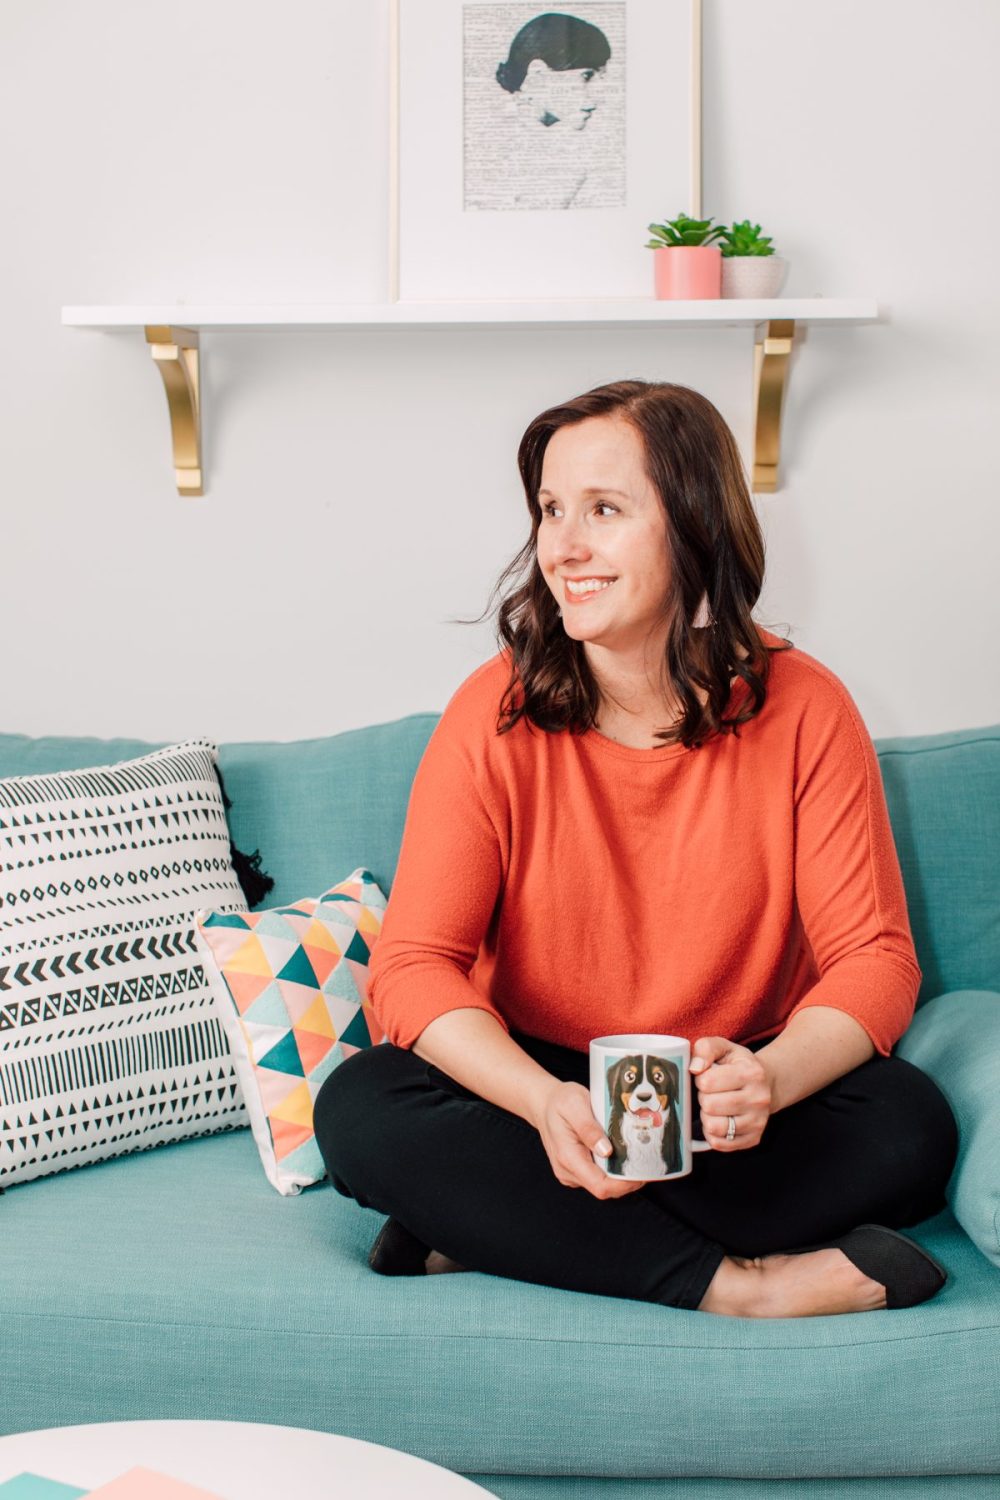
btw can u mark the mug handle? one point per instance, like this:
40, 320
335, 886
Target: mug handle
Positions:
701, 1145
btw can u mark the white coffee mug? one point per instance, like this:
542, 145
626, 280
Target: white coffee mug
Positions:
640, 1092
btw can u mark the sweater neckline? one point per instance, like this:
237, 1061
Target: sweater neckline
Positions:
665, 752
631, 752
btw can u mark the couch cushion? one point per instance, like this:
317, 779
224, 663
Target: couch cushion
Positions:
956, 1040
179, 1284
314, 808
944, 806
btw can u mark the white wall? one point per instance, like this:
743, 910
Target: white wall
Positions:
363, 488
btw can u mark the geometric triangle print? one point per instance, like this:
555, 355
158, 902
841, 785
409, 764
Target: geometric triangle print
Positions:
245, 988
250, 958
284, 1058
299, 999
288, 1137
298, 970
321, 959
359, 950
297, 1106
318, 935
369, 920
356, 1033
359, 972
312, 1048
305, 1161
269, 1008
341, 981
260, 1039
275, 1088
272, 925
317, 1019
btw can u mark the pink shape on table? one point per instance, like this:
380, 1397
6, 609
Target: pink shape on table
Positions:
148, 1484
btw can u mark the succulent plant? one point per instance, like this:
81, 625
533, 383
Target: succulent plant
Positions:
683, 231
745, 238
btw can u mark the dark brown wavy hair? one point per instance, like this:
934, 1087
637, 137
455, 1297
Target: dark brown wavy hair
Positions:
715, 545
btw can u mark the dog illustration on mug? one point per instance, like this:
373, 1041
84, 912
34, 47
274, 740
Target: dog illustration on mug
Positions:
644, 1125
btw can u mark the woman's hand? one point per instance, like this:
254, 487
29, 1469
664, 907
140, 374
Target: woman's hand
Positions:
731, 1080
569, 1133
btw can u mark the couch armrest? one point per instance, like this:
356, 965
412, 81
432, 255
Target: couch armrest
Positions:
955, 1039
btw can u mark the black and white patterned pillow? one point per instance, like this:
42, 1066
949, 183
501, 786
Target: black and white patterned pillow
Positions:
109, 1040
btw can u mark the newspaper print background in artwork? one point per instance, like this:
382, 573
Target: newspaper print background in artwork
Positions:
109, 1040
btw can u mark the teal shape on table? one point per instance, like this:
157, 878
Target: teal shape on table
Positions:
34, 1487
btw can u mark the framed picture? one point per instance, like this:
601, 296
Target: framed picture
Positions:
530, 148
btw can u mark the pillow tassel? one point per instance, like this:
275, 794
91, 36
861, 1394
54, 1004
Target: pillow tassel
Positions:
253, 880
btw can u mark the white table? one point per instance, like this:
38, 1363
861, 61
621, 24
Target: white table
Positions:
236, 1460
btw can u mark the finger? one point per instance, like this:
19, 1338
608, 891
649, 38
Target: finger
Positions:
589, 1175
722, 1077
741, 1143
717, 1127
595, 1138
733, 1103
707, 1050
582, 1124
618, 1187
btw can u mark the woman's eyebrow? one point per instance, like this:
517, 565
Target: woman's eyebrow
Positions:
591, 489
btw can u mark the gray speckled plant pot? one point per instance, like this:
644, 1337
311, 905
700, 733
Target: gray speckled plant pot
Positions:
753, 275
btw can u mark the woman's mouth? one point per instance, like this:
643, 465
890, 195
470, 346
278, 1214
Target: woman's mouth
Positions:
587, 594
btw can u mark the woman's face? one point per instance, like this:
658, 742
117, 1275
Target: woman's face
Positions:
561, 98
617, 532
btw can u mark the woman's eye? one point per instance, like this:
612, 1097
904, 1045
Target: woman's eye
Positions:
550, 506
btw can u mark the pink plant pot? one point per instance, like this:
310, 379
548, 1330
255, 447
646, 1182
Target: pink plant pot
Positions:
687, 271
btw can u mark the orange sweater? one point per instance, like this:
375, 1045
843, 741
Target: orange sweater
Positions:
574, 887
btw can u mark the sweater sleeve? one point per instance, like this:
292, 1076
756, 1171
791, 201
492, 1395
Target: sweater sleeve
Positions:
447, 883
848, 884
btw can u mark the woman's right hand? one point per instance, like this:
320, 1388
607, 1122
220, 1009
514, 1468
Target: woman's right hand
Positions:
570, 1134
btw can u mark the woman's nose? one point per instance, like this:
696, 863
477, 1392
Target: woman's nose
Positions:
573, 540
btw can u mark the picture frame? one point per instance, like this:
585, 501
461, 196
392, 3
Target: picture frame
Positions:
530, 149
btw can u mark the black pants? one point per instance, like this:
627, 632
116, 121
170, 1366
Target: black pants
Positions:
473, 1181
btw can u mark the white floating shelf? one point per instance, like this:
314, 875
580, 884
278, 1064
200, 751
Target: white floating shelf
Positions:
621, 312
173, 333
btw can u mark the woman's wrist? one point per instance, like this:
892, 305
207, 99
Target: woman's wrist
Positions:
537, 1096
818, 1044
772, 1068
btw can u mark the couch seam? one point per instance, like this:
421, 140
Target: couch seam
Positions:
987, 739
503, 1337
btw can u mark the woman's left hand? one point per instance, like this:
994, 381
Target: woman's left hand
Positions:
731, 1080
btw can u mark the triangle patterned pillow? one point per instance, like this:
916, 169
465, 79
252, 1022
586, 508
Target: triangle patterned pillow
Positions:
290, 986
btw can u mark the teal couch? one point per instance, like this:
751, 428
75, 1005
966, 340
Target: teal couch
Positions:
177, 1283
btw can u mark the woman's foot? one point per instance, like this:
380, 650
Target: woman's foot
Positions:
397, 1252
791, 1286
437, 1263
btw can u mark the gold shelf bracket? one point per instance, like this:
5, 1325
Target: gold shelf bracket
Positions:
771, 355
176, 353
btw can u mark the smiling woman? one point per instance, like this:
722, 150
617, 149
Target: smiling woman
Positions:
742, 891
643, 532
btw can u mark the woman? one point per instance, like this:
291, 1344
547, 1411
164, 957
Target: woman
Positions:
646, 813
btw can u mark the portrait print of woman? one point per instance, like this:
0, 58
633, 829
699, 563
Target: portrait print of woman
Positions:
544, 125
